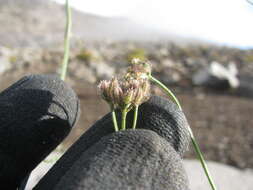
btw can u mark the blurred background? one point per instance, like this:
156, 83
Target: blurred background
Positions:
201, 49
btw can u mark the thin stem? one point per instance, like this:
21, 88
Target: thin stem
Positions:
166, 90
66, 41
203, 163
123, 119
114, 119
135, 116
195, 145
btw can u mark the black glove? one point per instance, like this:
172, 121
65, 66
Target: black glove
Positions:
132, 159
36, 114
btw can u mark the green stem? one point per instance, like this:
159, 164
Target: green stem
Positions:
66, 41
195, 145
153, 79
114, 119
123, 119
135, 116
203, 163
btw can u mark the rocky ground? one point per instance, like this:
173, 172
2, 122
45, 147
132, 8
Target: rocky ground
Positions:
221, 120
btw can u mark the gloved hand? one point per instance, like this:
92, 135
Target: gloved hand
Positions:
36, 114
146, 158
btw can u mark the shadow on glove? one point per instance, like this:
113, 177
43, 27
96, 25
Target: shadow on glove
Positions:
37, 113
158, 114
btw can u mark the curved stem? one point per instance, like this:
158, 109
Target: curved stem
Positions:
114, 119
203, 163
195, 145
169, 92
66, 41
135, 116
123, 119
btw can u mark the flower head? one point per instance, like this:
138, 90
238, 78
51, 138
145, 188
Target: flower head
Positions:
104, 89
132, 90
115, 90
110, 91
125, 93
139, 69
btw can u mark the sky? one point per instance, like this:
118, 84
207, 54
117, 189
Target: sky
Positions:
226, 22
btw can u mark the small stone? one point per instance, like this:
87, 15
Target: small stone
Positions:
167, 63
103, 70
5, 55
175, 77
81, 71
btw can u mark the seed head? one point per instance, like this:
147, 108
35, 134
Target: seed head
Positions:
126, 98
125, 93
115, 90
139, 69
142, 94
104, 89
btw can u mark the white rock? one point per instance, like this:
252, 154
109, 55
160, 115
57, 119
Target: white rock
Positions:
5, 55
4, 64
81, 71
102, 70
167, 63
224, 176
218, 71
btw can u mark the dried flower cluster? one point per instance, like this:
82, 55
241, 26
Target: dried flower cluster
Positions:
132, 90
139, 69
125, 93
